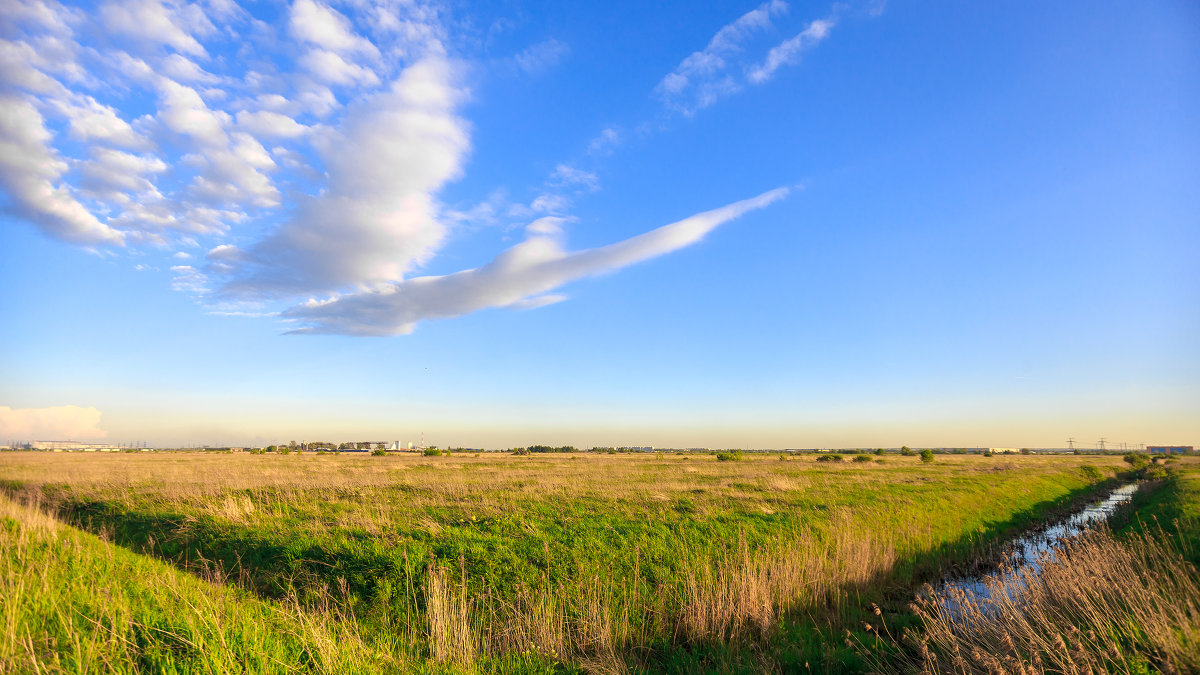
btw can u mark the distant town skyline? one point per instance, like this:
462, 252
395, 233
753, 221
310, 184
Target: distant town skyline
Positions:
760, 225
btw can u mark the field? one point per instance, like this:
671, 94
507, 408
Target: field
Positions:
195, 562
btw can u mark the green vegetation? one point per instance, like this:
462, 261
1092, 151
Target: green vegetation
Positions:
1123, 603
927, 455
558, 562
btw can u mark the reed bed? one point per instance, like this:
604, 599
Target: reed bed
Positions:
1100, 604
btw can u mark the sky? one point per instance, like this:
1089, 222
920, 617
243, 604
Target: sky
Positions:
678, 224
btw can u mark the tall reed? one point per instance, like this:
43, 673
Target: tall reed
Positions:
1100, 604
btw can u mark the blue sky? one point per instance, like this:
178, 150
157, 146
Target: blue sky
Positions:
725, 224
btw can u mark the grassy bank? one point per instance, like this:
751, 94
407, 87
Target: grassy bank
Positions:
73, 603
567, 562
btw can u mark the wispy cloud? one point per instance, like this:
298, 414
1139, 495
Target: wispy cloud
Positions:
542, 56
788, 51
522, 277
725, 67
704, 76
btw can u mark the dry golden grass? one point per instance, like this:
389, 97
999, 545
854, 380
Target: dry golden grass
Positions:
1101, 605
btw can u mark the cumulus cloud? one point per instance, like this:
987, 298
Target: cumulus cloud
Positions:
93, 121
183, 69
151, 21
270, 124
30, 173
521, 277
377, 218
325, 27
58, 423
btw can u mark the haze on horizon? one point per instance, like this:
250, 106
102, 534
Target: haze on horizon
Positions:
750, 225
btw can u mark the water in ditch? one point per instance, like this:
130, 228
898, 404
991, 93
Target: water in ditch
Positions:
1024, 554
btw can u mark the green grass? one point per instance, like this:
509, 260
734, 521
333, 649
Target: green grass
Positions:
1171, 508
560, 562
72, 603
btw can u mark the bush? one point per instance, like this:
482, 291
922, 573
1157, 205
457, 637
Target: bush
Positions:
829, 458
880, 451
862, 458
926, 455
907, 451
1091, 473
988, 452
1155, 473
378, 452
285, 451
1136, 460
735, 456
524, 451
433, 452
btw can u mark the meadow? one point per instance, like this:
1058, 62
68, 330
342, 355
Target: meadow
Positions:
198, 562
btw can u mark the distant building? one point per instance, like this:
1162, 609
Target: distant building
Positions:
71, 445
1170, 449
1004, 451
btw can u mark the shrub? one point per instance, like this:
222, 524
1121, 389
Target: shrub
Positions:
523, 451
987, 453
433, 452
926, 455
879, 451
907, 451
1136, 460
1155, 473
862, 458
782, 457
285, 451
829, 458
379, 452
735, 456
1091, 473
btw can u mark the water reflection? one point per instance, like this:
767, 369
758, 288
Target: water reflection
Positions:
1024, 555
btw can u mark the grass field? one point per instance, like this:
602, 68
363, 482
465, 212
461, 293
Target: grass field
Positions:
492, 563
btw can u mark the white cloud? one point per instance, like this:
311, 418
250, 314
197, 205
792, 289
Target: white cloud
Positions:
185, 112
788, 51
189, 280
333, 69
608, 139
93, 121
541, 56
57, 423
568, 176
270, 124
183, 69
521, 277
549, 203
700, 79
153, 22
115, 170
29, 171
377, 218
327, 28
